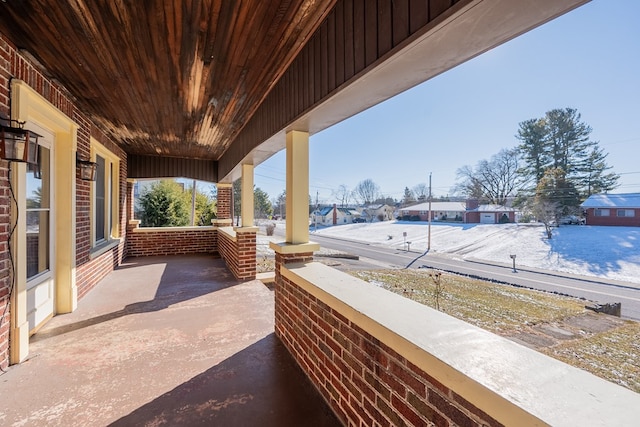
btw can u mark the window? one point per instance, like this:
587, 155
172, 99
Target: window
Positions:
626, 212
602, 212
38, 213
104, 198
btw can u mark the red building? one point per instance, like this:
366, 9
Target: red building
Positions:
613, 209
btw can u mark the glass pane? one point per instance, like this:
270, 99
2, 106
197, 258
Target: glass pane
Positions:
38, 204
37, 242
100, 202
38, 182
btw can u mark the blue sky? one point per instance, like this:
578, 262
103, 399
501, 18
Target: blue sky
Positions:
588, 59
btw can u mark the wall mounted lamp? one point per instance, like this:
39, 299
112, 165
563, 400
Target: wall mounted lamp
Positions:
86, 169
18, 144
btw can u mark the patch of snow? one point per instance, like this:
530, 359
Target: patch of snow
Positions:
608, 252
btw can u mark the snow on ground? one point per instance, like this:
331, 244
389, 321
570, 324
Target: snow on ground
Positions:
610, 252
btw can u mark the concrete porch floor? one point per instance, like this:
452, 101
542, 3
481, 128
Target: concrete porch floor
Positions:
163, 341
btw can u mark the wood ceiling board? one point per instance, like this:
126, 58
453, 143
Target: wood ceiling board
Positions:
167, 78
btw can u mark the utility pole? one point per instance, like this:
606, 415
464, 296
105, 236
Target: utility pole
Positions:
429, 227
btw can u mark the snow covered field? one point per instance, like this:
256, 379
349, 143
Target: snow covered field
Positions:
611, 252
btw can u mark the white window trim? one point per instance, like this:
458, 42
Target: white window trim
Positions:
602, 212
112, 220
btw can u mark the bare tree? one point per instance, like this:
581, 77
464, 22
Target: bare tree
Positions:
342, 195
366, 191
421, 192
494, 180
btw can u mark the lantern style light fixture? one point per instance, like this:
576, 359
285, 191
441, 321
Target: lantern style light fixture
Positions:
86, 169
18, 144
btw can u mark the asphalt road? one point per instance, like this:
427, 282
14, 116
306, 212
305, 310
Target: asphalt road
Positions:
593, 289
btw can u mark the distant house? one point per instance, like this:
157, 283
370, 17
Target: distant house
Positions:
379, 212
332, 215
469, 212
613, 209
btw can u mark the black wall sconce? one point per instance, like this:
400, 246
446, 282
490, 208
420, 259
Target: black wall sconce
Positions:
86, 169
18, 144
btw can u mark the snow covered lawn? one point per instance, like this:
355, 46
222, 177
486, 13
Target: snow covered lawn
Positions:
611, 252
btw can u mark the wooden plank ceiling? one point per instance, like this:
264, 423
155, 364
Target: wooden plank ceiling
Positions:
168, 78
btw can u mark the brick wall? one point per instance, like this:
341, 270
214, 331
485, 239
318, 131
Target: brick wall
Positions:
170, 241
363, 380
613, 219
89, 270
224, 202
238, 249
6, 53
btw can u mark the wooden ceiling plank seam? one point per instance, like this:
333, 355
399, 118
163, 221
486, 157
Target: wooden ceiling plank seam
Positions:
400, 13
437, 7
385, 28
349, 40
358, 36
330, 29
418, 14
162, 48
340, 43
317, 68
370, 33
227, 74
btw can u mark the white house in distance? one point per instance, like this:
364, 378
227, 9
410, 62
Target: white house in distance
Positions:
379, 212
333, 215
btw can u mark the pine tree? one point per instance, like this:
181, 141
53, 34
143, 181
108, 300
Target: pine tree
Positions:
408, 198
165, 204
592, 174
533, 148
560, 142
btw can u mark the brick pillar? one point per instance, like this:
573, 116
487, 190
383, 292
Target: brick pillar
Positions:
246, 252
225, 200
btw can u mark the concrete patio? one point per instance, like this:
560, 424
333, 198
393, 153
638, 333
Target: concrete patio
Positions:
163, 341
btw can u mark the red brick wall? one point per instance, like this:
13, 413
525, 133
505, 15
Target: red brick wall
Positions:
170, 241
224, 202
88, 271
239, 255
612, 219
363, 380
6, 52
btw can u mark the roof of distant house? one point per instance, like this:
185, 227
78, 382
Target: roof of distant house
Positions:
437, 206
626, 200
494, 208
327, 210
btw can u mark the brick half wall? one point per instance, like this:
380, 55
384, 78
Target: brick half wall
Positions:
238, 249
380, 359
153, 241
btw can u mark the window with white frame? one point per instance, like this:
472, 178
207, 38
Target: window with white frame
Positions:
602, 212
104, 197
626, 212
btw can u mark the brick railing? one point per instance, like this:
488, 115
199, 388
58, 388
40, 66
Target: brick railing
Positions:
380, 359
149, 241
238, 249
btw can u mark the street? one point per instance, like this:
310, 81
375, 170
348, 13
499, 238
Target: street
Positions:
594, 289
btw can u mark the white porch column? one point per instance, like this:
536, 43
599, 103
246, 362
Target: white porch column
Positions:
297, 187
247, 195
